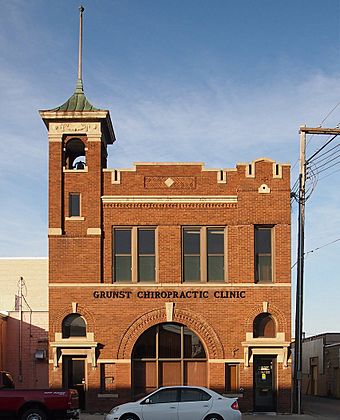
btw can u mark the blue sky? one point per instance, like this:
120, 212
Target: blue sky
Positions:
216, 81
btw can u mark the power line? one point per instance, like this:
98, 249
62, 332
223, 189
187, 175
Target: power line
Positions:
332, 173
316, 249
327, 159
326, 153
328, 167
321, 148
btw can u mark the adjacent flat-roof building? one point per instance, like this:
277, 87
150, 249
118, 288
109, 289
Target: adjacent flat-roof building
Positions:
164, 273
321, 365
24, 320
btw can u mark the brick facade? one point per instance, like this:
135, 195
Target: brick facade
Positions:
3, 343
166, 197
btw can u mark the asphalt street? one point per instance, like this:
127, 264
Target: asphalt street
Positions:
313, 407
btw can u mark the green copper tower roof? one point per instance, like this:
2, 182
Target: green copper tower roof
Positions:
77, 102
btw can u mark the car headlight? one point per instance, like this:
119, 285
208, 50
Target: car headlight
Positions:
115, 409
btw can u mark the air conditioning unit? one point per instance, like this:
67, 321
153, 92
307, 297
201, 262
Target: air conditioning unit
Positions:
40, 354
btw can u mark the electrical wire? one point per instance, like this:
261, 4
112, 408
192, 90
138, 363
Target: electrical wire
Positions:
332, 173
318, 165
316, 249
326, 153
330, 166
311, 183
321, 148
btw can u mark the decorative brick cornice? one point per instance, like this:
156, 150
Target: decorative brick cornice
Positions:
170, 199
190, 319
171, 205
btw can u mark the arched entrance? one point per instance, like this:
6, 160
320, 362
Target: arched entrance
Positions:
167, 354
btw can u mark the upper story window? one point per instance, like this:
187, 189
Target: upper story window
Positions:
134, 255
73, 326
74, 205
75, 157
263, 254
264, 326
203, 254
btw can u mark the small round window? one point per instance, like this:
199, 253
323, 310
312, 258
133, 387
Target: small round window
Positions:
74, 326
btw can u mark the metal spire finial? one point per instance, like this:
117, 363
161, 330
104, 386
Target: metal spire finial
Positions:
79, 87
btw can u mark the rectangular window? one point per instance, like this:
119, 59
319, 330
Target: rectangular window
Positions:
146, 255
203, 254
107, 378
192, 254
232, 380
134, 255
215, 254
122, 255
74, 205
263, 254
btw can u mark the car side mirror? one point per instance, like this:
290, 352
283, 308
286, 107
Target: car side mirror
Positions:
147, 401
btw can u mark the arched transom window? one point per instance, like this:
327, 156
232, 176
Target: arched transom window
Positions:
168, 354
264, 326
73, 326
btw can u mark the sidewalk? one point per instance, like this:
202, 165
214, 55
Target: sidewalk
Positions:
85, 416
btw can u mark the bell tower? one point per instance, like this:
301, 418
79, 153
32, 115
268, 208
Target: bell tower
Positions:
78, 135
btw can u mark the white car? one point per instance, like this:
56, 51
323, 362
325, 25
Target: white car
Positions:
179, 403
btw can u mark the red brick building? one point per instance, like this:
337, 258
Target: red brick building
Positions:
3, 335
165, 273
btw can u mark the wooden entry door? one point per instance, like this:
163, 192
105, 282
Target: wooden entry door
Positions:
264, 383
314, 379
74, 376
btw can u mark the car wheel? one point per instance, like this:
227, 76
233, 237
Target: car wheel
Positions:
33, 414
213, 417
129, 417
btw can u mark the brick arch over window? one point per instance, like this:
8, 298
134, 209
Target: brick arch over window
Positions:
67, 310
197, 324
280, 320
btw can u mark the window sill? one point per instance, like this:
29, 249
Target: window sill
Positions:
108, 396
75, 218
264, 282
75, 170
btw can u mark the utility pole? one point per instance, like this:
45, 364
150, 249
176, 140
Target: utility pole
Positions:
21, 281
297, 378
299, 283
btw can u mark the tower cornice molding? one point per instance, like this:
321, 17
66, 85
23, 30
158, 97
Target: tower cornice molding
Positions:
57, 128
